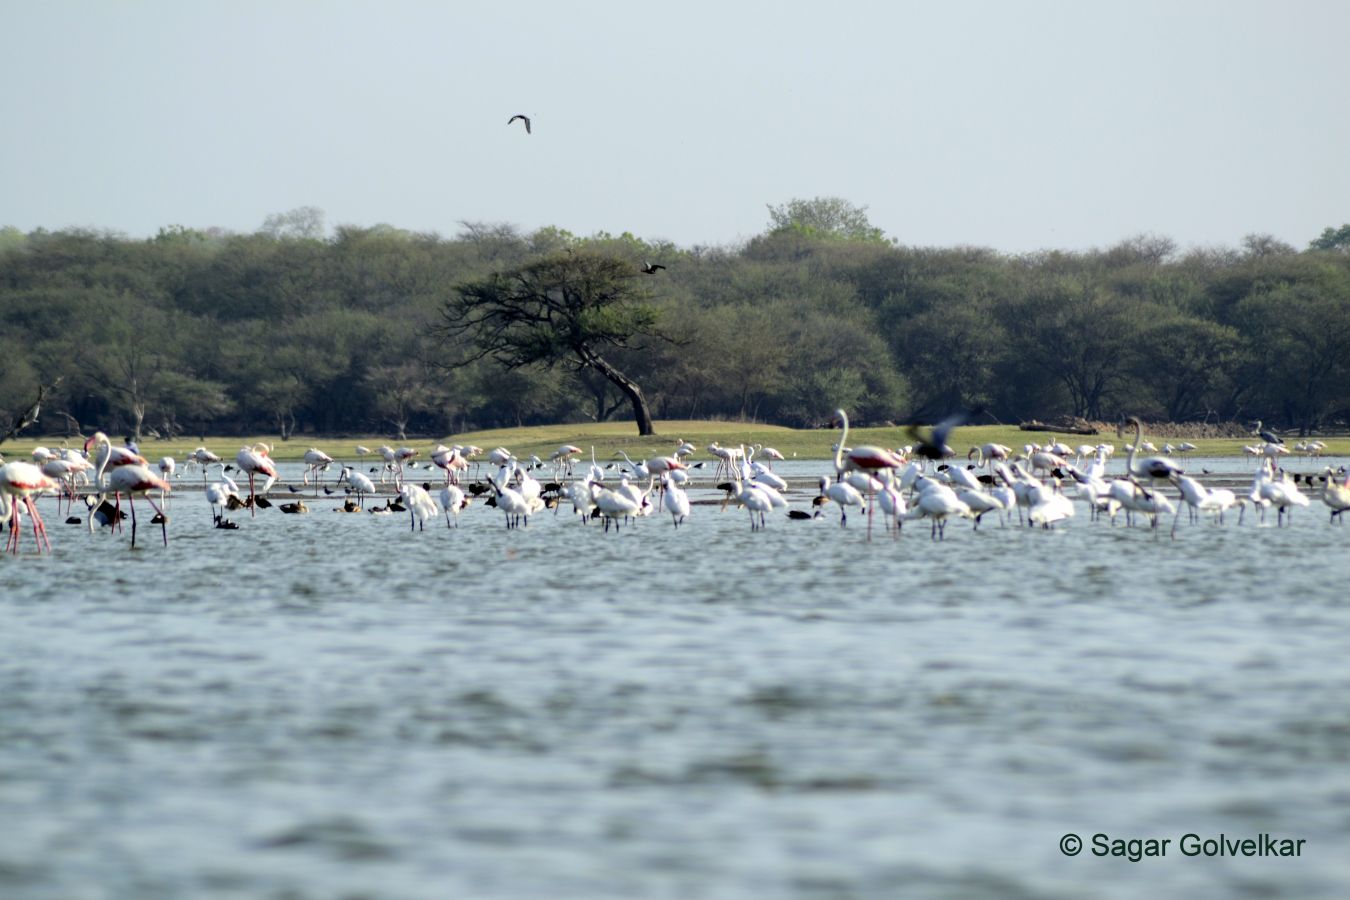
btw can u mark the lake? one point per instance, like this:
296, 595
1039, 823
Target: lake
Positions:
331, 705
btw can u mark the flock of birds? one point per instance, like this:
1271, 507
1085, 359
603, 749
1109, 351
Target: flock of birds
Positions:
923, 480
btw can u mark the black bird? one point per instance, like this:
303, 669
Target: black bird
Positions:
651, 268
935, 445
104, 512
1267, 435
801, 514
293, 489
523, 118
222, 522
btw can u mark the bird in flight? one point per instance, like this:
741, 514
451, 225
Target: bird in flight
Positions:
651, 268
523, 118
935, 446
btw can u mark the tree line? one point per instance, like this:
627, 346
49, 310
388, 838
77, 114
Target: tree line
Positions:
293, 329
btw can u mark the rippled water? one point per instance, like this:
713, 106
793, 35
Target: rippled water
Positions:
329, 705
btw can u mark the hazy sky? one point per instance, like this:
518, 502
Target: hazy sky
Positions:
1013, 125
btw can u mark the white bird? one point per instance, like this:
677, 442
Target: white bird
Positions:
1336, 495
358, 483
509, 500
842, 493
452, 502
421, 506
676, 501
218, 494
612, 505
938, 502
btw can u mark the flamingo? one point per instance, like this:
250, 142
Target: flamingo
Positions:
726, 456
65, 471
203, 458
316, 462
769, 453
390, 457
1154, 467
987, 453
132, 479
256, 460
19, 481
868, 459
109, 457
562, 459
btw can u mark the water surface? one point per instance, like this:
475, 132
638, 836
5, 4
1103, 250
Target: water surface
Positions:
331, 705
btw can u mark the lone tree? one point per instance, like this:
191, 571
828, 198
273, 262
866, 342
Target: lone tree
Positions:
568, 308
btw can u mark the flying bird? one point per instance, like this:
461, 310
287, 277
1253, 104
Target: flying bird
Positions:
935, 446
523, 118
651, 268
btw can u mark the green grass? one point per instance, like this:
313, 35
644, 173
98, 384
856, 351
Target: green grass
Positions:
610, 437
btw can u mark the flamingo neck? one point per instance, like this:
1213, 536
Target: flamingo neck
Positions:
1134, 448
843, 439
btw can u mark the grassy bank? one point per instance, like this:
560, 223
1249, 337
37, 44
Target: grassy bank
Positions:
609, 437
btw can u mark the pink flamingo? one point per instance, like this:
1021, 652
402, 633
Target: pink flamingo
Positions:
19, 481
255, 461
861, 459
133, 479
449, 459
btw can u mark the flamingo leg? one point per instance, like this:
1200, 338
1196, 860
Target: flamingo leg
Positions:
131, 501
39, 527
163, 520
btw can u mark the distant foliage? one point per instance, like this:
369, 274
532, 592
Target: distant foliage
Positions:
298, 328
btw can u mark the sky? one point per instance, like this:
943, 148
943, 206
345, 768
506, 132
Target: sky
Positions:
1019, 126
